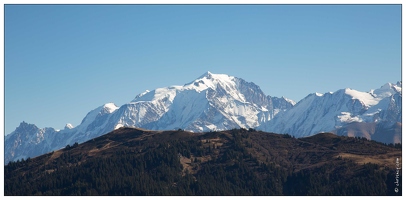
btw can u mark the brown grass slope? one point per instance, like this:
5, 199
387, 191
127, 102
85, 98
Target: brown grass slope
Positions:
256, 150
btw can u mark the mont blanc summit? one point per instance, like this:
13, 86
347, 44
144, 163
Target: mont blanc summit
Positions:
211, 102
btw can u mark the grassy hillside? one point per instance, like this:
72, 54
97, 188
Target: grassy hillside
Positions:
236, 162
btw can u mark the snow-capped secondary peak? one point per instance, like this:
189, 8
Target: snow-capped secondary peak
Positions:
388, 89
319, 94
364, 97
399, 83
68, 126
289, 100
103, 110
110, 107
142, 94
339, 109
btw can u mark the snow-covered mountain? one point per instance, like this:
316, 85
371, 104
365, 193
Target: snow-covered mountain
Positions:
345, 112
219, 102
211, 102
29, 141
27, 138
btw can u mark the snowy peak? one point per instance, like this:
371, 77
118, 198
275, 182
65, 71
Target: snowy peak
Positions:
212, 101
210, 80
318, 94
68, 126
399, 84
373, 97
216, 77
388, 89
103, 110
206, 81
207, 75
326, 112
106, 109
24, 127
109, 107
142, 94
366, 98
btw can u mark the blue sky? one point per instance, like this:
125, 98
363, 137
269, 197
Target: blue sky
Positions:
63, 61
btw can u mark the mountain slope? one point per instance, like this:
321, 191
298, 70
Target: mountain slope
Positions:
29, 141
235, 162
31, 138
341, 109
211, 102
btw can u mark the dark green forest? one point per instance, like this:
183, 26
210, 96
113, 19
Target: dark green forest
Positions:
235, 162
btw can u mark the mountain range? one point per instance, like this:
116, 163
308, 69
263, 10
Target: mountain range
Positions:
221, 102
376, 114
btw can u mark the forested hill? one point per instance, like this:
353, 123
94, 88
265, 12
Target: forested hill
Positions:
131, 161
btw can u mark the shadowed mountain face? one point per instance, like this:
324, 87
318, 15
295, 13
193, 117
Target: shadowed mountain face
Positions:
131, 161
372, 131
